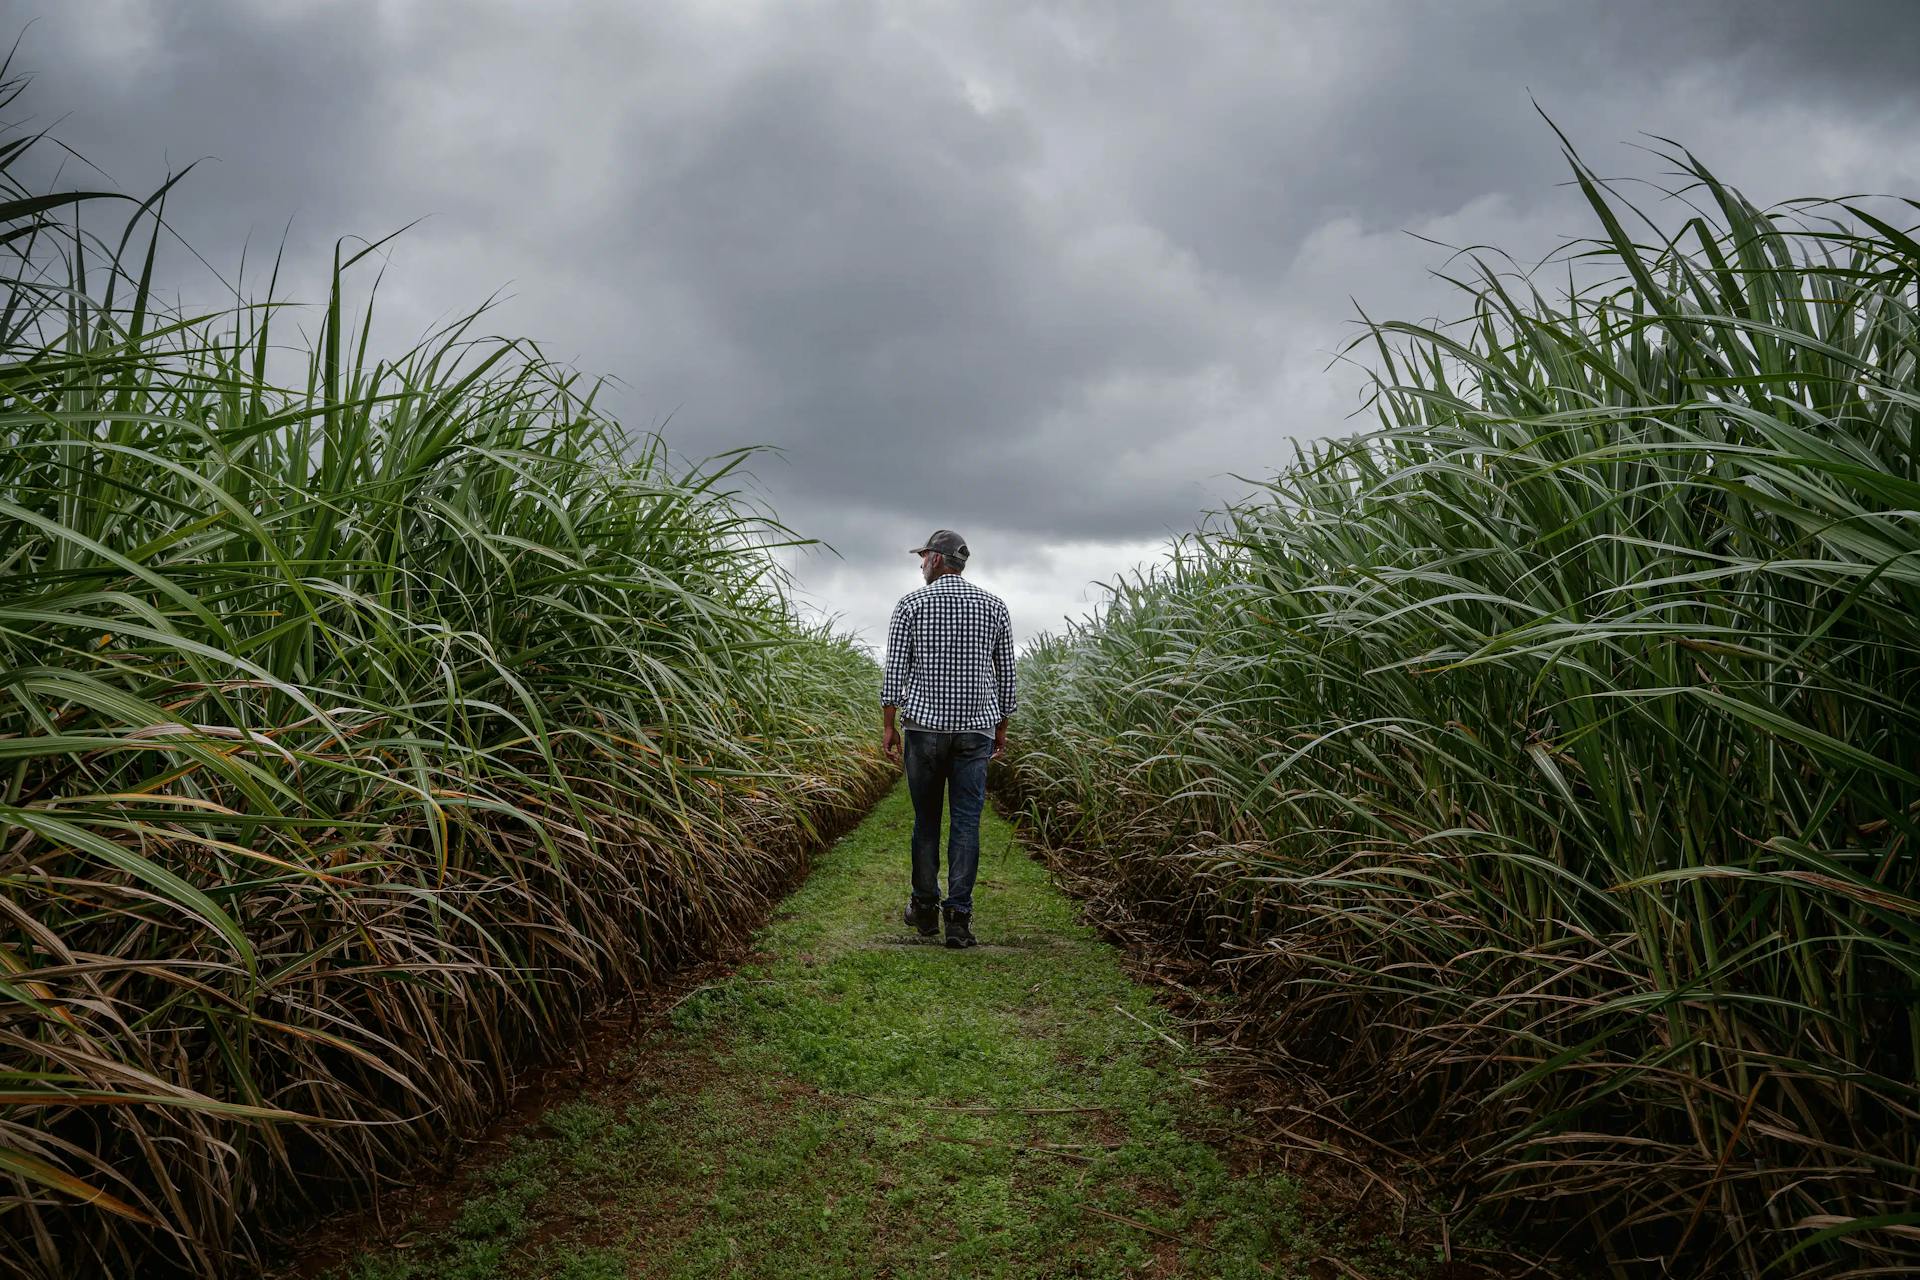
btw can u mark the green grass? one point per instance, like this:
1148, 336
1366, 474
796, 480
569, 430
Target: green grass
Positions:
799, 1118
1547, 758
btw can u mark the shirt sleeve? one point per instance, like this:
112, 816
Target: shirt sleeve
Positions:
1003, 665
893, 684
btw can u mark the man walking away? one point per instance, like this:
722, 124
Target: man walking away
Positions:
950, 680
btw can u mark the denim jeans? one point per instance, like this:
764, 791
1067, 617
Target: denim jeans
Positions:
946, 766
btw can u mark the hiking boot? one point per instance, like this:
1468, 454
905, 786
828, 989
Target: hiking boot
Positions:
960, 929
925, 919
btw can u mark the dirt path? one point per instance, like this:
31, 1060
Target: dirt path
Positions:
853, 1102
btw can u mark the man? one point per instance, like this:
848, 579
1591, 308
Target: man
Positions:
949, 678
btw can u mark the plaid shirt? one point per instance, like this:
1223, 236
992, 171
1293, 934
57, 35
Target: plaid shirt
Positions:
950, 658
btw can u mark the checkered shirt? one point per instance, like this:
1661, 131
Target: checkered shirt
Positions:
950, 657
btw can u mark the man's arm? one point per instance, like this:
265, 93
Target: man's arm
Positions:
893, 681
1003, 667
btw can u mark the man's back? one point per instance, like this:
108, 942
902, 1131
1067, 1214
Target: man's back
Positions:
950, 658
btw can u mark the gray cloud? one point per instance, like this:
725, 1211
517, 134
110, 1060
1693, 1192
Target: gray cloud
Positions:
1047, 273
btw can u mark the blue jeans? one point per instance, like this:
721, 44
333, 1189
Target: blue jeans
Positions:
942, 766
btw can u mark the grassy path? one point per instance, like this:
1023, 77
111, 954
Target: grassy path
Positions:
855, 1102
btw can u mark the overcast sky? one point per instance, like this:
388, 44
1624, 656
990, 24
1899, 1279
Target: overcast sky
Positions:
1050, 275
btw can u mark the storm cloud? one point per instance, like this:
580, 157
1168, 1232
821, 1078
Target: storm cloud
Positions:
1049, 274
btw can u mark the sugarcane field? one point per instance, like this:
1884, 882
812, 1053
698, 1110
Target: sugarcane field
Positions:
1410, 772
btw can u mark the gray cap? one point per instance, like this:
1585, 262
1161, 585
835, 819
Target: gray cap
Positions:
951, 546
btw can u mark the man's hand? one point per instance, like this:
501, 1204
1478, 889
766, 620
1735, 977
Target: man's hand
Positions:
999, 737
890, 743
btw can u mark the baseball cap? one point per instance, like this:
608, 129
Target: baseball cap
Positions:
951, 546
